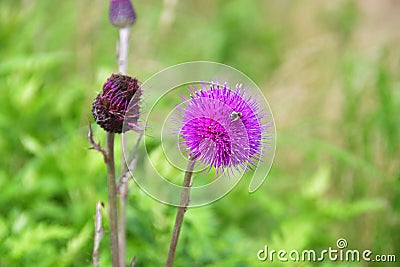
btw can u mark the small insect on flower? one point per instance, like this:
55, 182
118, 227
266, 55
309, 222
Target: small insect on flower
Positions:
222, 128
235, 116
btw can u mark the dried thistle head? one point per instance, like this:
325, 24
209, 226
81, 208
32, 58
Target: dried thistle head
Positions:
111, 104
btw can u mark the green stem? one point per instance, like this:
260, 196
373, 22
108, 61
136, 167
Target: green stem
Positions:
112, 199
183, 205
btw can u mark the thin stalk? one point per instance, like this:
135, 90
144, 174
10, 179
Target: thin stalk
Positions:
126, 167
121, 223
183, 205
123, 50
98, 235
123, 45
122, 189
112, 198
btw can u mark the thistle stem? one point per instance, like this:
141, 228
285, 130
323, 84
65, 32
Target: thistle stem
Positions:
123, 50
98, 235
112, 198
123, 189
183, 205
121, 223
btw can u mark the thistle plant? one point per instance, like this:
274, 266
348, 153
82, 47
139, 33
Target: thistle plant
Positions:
109, 111
122, 15
219, 128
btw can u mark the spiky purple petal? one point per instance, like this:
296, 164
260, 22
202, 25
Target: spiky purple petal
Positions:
221, 127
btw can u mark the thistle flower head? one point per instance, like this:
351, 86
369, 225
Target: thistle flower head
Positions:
110, 106
221, 127
122, 13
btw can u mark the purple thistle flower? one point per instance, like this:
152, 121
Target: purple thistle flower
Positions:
122, 13
110, 106
221, 127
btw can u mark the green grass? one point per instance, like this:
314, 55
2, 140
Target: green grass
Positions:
333, 87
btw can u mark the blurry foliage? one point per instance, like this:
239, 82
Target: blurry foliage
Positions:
334, 175
342, 19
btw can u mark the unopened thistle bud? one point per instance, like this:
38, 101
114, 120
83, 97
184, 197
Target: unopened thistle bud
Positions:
111, 105
122, 13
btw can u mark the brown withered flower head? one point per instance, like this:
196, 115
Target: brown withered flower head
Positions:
110, 107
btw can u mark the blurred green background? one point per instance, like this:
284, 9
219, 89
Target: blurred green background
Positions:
329, 69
